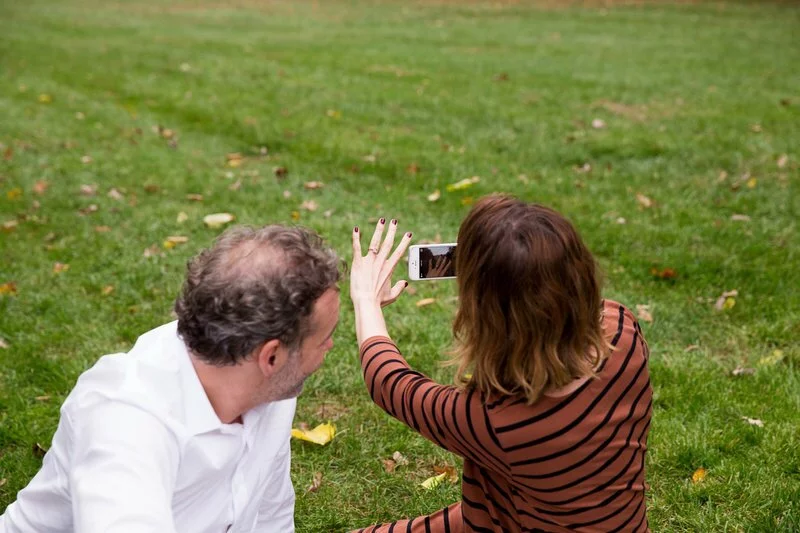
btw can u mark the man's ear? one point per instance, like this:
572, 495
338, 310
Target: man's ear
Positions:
269, 357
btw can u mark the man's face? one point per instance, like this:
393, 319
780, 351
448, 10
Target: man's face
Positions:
288, 381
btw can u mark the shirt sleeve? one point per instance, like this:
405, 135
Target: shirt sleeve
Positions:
123, 473
276, 512
454, 419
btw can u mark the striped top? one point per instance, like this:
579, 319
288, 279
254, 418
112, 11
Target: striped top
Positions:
562, 464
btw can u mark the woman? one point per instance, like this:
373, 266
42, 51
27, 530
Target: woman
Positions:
552, 419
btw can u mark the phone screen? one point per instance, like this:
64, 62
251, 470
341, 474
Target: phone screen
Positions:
437, 261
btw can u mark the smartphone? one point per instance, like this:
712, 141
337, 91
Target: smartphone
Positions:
432, 261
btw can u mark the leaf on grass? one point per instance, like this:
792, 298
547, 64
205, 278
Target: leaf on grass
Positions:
740, 218
699, 475
413, 168
152, 251
39, 450
450, 472
45, 98
328, 213
88, 190
235, 186
644, 201
295, 215
181, 218
14, 193
334, 114
234, 160
315, 482
3, 344
389, 465
753, 421
726, 300
751, 183
108, 289
463, 184
756, 128
768, 360
217, 220
10, 225
280, 172
643, 312
782, 160
8, 153
598, 124
102, 229
426, 301
433, 482
86, 159
400, 459
114, 194
88, 210
309, 205
664, 273
467, 200
435, 195
194, 197
322, 434
58, 268
8, 287
312, 185
3, 482
42, 398
741, 371
174, 240
583, 169
40, 187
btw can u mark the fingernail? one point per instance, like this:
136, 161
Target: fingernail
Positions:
406, 283
408, 234
383, 221
394, 221
355, 229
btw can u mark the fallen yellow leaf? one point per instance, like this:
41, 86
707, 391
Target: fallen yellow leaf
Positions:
751, 183
463, 184
10, 225
699, 475
108, 289
311, 185
726, 300
45, 98
644, 201
309, 205
435, 195
8, 287
14, 193
434, 481
322, 434
316, 482
174, 240
295, 215
181, 218
217, 220
769, 360
643, 312
426, 301
58, 268
334, 114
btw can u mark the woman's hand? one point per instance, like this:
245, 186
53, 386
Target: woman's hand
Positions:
371, 278
371, 274
439, 267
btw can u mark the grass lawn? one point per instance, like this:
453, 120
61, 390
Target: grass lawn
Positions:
668, 133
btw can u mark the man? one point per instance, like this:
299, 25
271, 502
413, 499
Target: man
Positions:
189, 431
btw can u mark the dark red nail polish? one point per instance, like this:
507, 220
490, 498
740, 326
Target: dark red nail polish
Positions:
394, 222
355, 229
408, 234
406, 283
383, 221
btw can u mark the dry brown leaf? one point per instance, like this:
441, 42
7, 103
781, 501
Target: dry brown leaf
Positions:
643, 312
315, 482
86, 159
8, 153
400, 459
756, 128
783, 160
10, 225
426, 301
194, 197
42, 398
152, 251
311, 185
152, 188
88, 210
413, 168
88, 190
664, 273
449, 471
58, 268
598, 124
503, 76
328, 213
181, 218
741, 371
583, 169
389, 465
108, 289
40, 187
217, 220
174, 240
102, 229
434, 196
9, 287
644, 201
3, 482
280, 172
235, 186
3, 346
114, 194
287, 194
309, 205
740, 218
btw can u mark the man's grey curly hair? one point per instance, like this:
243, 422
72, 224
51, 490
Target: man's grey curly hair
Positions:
251, 286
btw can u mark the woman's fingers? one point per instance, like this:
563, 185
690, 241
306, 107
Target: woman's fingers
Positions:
375, 243
398, 252
356, 243
395, 293
388, 242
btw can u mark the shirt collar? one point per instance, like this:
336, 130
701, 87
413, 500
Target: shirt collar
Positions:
200, 416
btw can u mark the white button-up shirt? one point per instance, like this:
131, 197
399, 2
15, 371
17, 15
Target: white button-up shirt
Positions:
140, 449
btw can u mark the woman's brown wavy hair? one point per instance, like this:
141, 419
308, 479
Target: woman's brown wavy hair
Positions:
530, 312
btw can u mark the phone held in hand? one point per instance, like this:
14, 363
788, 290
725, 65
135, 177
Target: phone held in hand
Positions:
432, 261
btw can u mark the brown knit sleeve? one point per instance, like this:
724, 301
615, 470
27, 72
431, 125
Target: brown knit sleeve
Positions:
454, 419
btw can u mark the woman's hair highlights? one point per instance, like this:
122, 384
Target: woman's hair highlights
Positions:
530, 309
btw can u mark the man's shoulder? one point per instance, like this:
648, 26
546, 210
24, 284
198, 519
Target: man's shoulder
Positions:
148, 377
